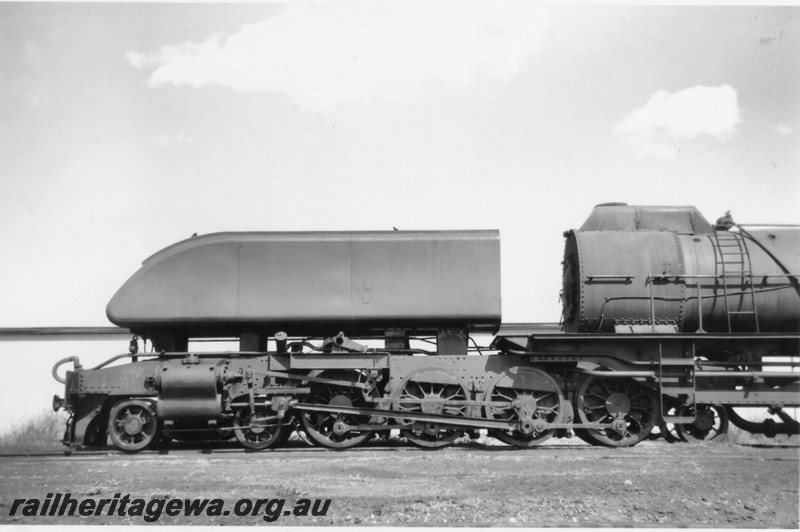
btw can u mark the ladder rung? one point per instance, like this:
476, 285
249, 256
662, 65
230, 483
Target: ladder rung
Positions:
672, 381
677, 362
741, 312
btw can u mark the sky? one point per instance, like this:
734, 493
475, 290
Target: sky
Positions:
127, 127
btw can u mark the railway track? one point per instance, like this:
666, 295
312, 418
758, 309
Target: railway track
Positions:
651, 484
303, 448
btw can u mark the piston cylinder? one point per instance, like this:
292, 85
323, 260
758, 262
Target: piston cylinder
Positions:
188, 391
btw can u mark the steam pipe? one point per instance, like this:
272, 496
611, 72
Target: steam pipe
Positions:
767, 427
76, 364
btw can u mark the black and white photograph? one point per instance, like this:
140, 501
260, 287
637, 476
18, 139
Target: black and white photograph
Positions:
441, 263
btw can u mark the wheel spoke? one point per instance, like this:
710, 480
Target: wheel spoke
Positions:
257, 437
430, 387
332, 430
712, 417
545, 390
509, 397
455, 395
602, 397
639, 409
132, 424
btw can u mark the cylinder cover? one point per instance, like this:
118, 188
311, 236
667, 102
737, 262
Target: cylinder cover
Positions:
188, 391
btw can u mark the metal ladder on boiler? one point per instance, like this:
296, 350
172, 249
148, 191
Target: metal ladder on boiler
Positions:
730, 250
676, 376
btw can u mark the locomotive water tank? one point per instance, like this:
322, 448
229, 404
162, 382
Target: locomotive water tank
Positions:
226, 284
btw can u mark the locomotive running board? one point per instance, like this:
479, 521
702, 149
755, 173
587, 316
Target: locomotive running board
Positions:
478, 423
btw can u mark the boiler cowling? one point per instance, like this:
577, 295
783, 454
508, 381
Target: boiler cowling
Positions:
662, 269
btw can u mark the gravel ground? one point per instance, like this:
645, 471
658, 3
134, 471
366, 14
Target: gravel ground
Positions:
572, 484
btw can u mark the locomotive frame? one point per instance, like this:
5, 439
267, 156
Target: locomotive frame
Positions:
616, 388
530, 384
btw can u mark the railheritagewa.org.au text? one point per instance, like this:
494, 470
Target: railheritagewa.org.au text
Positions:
153, 509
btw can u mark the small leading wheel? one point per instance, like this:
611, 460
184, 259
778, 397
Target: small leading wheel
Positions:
336, 430
254, 432
132, 425
623, 402
710, 423
431, 391
526, 392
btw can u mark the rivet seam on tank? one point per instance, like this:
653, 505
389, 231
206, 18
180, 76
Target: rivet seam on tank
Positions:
582, 318
682, 286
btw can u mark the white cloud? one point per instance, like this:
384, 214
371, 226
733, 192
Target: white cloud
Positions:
324, 54
782, 129
684, 115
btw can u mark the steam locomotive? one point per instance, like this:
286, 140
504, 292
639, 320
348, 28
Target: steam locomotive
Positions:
668, 321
